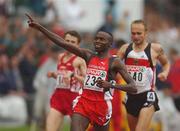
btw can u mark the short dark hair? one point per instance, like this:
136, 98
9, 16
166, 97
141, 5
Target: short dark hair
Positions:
75, 34
140, 22
110, 34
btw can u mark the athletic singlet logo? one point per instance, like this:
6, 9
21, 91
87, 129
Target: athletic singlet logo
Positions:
135, 61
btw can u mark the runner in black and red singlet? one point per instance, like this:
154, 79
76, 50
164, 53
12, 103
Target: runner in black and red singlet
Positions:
140, 58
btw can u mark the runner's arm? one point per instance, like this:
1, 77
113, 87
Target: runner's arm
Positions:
119, 67
81, 65
164, 62
83, 53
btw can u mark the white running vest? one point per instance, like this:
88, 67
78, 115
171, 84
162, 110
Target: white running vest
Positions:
139, 68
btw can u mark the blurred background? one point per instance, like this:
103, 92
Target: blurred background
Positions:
26, 55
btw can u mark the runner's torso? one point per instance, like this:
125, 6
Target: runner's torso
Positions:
140, 67
97, 68
65, 68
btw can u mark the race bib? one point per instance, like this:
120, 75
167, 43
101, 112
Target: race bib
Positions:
63, 79
138, 73
151, 96
92, 76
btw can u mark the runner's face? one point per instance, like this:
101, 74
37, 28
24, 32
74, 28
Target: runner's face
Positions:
138, 33
101, 42
71, 40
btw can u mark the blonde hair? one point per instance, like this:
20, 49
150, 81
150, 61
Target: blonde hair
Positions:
140, 22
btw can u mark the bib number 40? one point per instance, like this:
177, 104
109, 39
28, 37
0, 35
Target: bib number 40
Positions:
137, 76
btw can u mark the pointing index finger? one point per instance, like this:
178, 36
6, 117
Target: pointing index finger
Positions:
29, 17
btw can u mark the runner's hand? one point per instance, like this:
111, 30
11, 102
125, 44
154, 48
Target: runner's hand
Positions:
31, 22
162, 76
51, 74
103, 84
